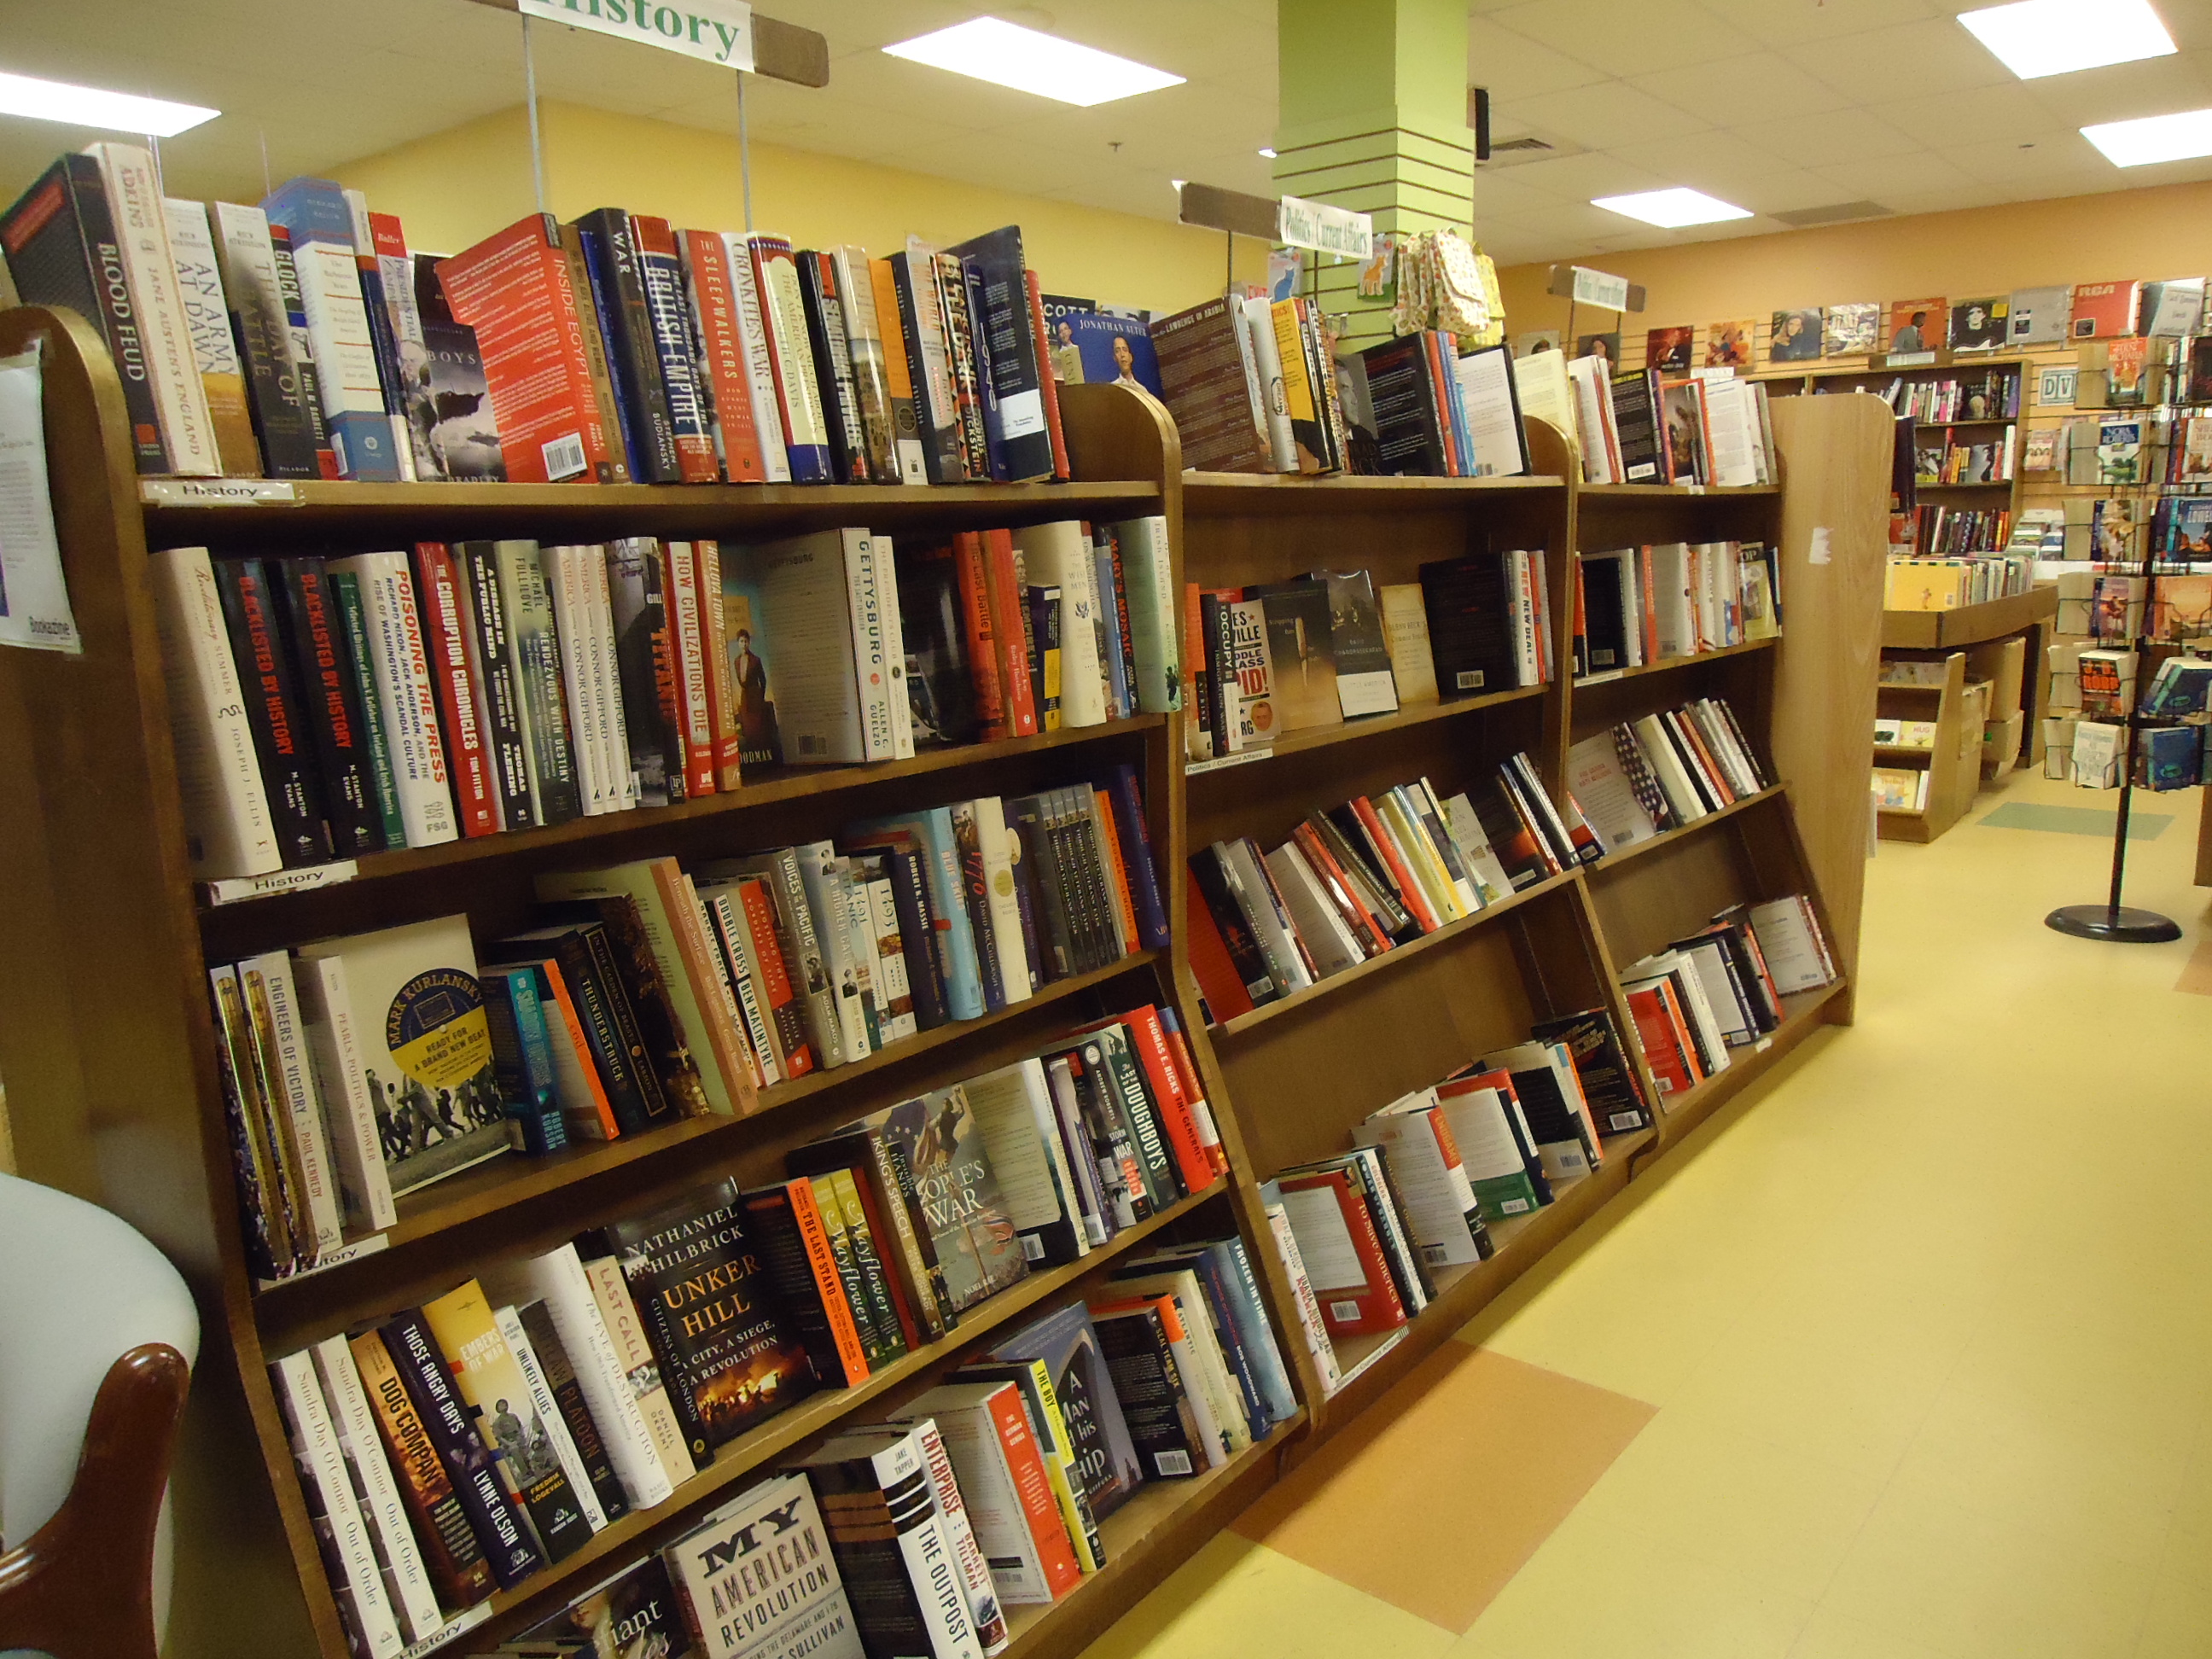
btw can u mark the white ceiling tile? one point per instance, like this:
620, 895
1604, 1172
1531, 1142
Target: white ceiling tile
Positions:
1577, 179
1757, 86
1715, 162
1786, 193
1820, 140
1878, 180
1624, 39
1514, 66
1937, 55
2005, 115
1605, 117
1792, 22
2157, 86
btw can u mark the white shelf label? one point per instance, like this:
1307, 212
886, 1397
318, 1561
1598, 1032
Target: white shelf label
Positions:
1223, 762
337, 1258
217, 492
236, 889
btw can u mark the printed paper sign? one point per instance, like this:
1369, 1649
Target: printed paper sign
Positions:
1316, 225
2054, 388
712, 31
1596, 287
34, 607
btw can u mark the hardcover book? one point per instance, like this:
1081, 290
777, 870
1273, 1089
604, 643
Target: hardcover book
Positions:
1094, 348
979, 1250
758, 1579
635, 1615
1106, 1457
420, 1054
727, 1359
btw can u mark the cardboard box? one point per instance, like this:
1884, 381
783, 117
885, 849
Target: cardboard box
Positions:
2001, 662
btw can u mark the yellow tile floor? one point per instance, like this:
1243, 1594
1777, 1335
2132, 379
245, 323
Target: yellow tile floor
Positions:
1911, 1359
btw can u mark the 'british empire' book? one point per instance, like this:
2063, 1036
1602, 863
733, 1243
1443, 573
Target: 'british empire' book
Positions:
703, 1291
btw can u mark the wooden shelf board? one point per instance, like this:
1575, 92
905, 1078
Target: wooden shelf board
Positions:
1591, 682
1685, 492
821, 1410
1904, 748
1451, 930
1919, 485
517, 1178
1613, 860
1968, 624
788, 783
1133, 1536
1197, 486
1366, 725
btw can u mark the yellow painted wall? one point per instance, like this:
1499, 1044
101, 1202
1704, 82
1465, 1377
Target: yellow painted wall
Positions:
455, 187
2137, 234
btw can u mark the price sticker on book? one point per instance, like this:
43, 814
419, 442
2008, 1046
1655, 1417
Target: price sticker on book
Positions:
712, 31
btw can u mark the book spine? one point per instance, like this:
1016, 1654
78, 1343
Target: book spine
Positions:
356, 1582
922, 322
975, 898
641, 1365
111, 305
475, 796
812, 1280
724, 382
1002, 587
230, 831
535, 640
403, 684
772, 977
988, 1623
902, 371
626, 319
334, 1052
662, 277
688, 635
491, 655
962, 365
280, 739
830, 347
1048, 382
272, 1000
722, 677
803, 947
303, 351
207, 327
798, 396
551, 1418
498, 1524
135, 205
406, 1579
543, 1341
352, 617
759, 359
346, 370
984, 658
966, 303
865, 592
562, 1282
333, 706
917, 936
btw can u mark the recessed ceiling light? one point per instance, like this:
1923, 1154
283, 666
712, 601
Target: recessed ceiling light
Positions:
1672, 209
1269, 154
90, 107
1007, 55
2036, 37
2153, 138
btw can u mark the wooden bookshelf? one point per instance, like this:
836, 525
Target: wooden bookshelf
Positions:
107, 1046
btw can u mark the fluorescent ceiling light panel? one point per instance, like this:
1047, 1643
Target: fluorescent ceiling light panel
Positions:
2153, 138
1269, 154
2036, 37
90, 107
1008, 55
1670, 210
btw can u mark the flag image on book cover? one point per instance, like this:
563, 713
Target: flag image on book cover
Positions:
727, 1359
759, 1580
978, 1249
421, 1056
635, 1615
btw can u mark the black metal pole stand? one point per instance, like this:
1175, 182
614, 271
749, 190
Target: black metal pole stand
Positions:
2111, 920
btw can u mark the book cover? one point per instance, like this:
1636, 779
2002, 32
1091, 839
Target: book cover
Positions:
1067, 1342
1299, 649
1094, 348
1851, 330
702, 1291
900, 1572
759, 1579
207, 314
1015, 409
422, 1047
289, 771
1794, 337
1917, 326
1667, 349
635, 1615
1203, 383
979, 1249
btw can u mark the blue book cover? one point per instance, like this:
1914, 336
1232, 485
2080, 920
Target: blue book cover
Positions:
1137, 857
1107, 349
2188, 527
608, 305
1110, 631
1462, 432
313, 211
522, 1055
956, 939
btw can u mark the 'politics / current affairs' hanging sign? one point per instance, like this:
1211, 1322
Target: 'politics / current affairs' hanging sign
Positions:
1316, 225
712, 31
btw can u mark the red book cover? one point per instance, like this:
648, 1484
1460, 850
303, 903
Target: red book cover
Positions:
822, 1282
1432, 356
1350, 1310
778, 1001
1004, 591
2103, 310
1409, 890
1149, 1041
688, 639
1194, 1092
983, 661
513, 289
722, 374
1033, 1487
1680, 1018
1109, 844
445, 638
721, 681
1051, 381
385, 237
1663, 1050
1357, 916
656, 242
1217, 981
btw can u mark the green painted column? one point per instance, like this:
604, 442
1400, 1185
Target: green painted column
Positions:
1372, 116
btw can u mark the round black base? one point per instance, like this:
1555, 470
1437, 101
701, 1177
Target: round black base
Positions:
2126, 926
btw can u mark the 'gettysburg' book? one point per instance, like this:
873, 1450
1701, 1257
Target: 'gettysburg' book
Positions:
758, 1580
978, 1248
704, 1292
415, 1048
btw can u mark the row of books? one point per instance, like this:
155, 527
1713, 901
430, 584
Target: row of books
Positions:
2165, 757
1938, 457
2026, 317
1430, 1175
1947, 582
1722, 988
360, 1069
1355, 880
1989, 397
332, 708
300, 339
1284, 657
458, 1448
1639, 605
1638, 426
1660, 771
1950, 533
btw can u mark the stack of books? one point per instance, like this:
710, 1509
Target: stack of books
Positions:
454, 1450
1363, 1232
360, 1069
1722, 988
1376, 872
327, 709
1640, 426
1280, 658
1994, 396
1635, 606
1946, 584
300, 339
1662, 771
